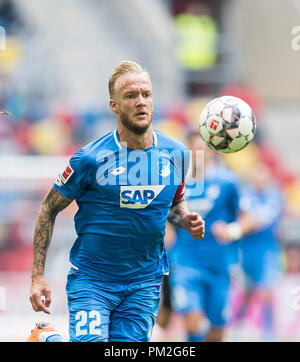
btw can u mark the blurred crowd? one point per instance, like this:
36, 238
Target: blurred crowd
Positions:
35, 127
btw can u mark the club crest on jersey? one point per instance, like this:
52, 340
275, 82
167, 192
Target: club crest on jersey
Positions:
164, 168
138, 197
64, 177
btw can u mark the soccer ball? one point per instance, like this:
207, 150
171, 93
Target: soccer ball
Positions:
227, 124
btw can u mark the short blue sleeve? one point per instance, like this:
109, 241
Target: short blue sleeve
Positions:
72, 181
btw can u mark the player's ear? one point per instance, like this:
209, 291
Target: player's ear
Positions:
113, 106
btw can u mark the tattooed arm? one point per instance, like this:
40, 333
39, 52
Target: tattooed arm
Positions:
177, 212
181, 217
52, 204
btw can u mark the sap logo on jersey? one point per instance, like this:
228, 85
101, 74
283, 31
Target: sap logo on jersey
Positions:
138, 197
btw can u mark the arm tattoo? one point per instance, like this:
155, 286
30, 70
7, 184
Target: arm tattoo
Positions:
177, 212
52, 204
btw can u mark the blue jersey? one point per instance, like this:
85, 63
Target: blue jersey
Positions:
266, 207
219, 201
124, 197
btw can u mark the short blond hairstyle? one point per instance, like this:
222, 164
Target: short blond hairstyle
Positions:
125, 67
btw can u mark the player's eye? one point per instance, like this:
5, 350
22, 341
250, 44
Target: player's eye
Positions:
130, 95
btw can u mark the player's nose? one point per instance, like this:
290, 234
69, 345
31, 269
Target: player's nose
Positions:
140, 100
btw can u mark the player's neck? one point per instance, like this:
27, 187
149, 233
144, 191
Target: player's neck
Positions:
136, 141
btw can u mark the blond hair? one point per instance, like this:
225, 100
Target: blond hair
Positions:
125, 67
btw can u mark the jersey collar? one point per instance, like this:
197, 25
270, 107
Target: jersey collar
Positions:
121, 146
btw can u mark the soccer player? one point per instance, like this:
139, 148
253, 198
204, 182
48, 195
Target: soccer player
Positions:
263, 203
126, 184
200, 272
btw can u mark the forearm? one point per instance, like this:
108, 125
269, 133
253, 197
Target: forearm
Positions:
230, 232
53, 203
248, 224
42, 238
177, 213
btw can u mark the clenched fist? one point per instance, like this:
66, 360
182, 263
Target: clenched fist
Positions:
194, 224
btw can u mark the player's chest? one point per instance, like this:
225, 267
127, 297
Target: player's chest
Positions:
138, 167
137, 180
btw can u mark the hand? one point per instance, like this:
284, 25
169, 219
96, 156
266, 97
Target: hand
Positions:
194, 225
220, 232
226, 233
40, 295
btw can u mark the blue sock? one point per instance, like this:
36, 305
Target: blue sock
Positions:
195, 337
55, 338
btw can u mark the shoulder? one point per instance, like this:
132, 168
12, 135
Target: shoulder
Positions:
106, 141
227, 175
166, 142
275, 193
90, 153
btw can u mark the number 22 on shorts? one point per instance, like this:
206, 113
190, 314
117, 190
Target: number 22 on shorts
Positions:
83, 328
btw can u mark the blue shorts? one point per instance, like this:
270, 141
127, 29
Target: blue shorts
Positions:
200, 291
262, 269
111, 311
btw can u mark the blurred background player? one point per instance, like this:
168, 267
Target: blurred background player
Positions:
261, 251
198, 38
200, 276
